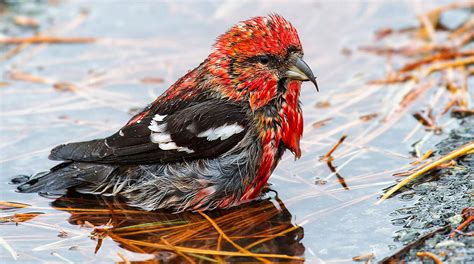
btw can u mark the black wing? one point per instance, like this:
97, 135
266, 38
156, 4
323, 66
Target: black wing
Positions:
191, 131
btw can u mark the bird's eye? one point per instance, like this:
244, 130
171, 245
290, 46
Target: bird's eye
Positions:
264, 59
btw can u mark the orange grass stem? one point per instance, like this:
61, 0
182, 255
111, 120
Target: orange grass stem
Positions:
237, 246
271, 237
331, 151
188, 259
212, 252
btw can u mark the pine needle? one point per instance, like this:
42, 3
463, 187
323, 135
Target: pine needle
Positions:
213, 252
241, 249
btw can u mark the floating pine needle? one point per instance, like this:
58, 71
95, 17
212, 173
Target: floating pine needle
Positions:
152, 80
423, 254
368, 117
328, 156
45, 39
213, 252
27, 77
466, 149
18, 218
12, 205
26, 21
64, 86
322, 123
424, 157
462, 113
241, 249
423, 120
367, 257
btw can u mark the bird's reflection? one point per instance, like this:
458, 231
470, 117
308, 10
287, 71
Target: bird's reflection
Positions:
257, 231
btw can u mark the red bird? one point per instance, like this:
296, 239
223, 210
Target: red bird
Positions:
211, 140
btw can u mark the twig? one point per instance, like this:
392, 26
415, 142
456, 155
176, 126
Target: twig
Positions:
341, 179
454, 154
328, 156
423, 254
422, 158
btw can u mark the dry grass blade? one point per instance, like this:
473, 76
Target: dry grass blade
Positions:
213, 252
271, 237
451, 64
466, 149
12, 205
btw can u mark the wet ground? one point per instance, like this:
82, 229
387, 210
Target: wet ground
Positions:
442, 196
144, 47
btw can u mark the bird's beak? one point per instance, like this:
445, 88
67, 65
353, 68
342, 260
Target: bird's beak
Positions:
301, 71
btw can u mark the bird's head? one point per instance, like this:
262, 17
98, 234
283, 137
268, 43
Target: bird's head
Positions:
257, 56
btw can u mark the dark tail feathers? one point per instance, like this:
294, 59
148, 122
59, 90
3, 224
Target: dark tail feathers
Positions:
66, 175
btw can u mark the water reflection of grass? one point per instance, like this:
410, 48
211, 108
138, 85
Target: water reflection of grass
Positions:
260, 231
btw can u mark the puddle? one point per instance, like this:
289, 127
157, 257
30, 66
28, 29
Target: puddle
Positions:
316, 212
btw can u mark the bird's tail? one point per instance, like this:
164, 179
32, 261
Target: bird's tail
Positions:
66, 175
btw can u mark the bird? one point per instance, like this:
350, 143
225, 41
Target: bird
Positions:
211, 140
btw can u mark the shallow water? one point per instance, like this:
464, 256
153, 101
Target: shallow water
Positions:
165, 39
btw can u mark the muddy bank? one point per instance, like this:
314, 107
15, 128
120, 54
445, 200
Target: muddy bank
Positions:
428, 225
